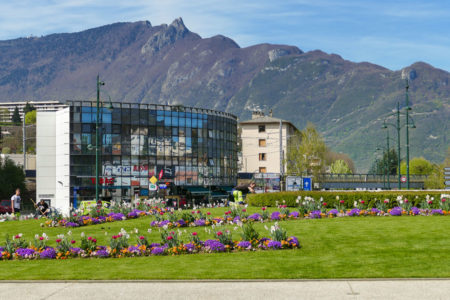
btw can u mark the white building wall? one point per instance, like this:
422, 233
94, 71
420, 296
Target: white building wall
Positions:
251, 149
62, 157
52, 158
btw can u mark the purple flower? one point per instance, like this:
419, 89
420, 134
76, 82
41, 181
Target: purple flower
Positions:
293, 241
190, 247
101, 253
163, 223
396, 211
354, 212
315, 214
135, 250
274, 245
415, 211
375, 210
294, 214
245, 244
25, 252
158, 251
437, 212
116, 216
275, 215
132, 215
180, 223
75, 250
237, 219
214, 246
255, 217
333, 212
48, 253
154, 223
1, 249
200, 222
152, 245
72, 224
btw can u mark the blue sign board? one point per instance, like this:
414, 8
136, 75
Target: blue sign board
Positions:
307, 184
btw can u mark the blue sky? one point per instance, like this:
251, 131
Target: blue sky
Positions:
393, 34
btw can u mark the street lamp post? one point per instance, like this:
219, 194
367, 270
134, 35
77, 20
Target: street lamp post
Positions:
407, 132
97, 142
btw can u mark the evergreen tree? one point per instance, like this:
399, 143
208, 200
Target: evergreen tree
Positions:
28, 107
16, 116
389, 161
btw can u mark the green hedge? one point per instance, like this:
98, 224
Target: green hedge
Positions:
271, 199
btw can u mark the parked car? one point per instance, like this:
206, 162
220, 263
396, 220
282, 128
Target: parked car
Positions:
5, 206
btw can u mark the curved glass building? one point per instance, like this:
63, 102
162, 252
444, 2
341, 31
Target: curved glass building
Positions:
185, 147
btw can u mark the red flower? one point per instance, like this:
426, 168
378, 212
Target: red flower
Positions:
263, 208
443, 200
342, 202
169, 237
324, 204
41, 238
90, 238
194, 233
114, 237
94, 240
208, 213
17, 237
406, 201
198, 211
72, 242
219, 233
362, 202
244, 210
141, 237
75, 215
58, 240
161, 213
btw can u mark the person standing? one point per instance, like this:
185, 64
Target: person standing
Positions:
243, 190
15, 202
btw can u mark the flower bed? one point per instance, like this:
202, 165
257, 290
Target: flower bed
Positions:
119, 246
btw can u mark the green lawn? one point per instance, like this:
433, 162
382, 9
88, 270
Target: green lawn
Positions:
360, 247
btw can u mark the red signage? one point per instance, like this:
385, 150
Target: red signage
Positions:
105, 181
161, 173
403, 179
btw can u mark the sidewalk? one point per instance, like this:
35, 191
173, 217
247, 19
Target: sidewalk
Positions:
289, 289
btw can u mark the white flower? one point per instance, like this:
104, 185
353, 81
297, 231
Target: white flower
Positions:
355, 204
69, 233
106, 233
149, 230
136, 230
165, 227
20, 235
82, 234
265, 226
127, 236
337, 197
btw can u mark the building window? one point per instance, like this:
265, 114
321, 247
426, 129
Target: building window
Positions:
262, 156
262, 170
262, 142
261, 128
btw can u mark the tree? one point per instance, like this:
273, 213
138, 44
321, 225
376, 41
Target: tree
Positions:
30, 117
340, 167
417, 166
389, 161
306, 152
331, 157
28, 107
435, 179
11, 178
16, 116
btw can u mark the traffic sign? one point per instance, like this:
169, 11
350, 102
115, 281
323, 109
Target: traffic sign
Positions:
152, 187
153, 180
161, 173
307, 184
403, 179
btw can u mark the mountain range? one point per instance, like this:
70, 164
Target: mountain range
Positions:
168, 64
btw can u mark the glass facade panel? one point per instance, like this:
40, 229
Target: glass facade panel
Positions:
193, 147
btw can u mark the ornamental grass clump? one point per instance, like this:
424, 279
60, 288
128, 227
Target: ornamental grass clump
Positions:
249, 233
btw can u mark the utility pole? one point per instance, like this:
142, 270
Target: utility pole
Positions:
388, 161
398, 147
407, 134
24, 143
281, 155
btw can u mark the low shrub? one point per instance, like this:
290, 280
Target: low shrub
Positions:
334, 198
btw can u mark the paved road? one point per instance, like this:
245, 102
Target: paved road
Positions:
294, 289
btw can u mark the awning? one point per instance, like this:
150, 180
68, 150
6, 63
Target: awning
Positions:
197, 190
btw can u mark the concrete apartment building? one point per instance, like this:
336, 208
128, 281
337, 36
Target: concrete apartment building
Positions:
7, 108
261, 143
